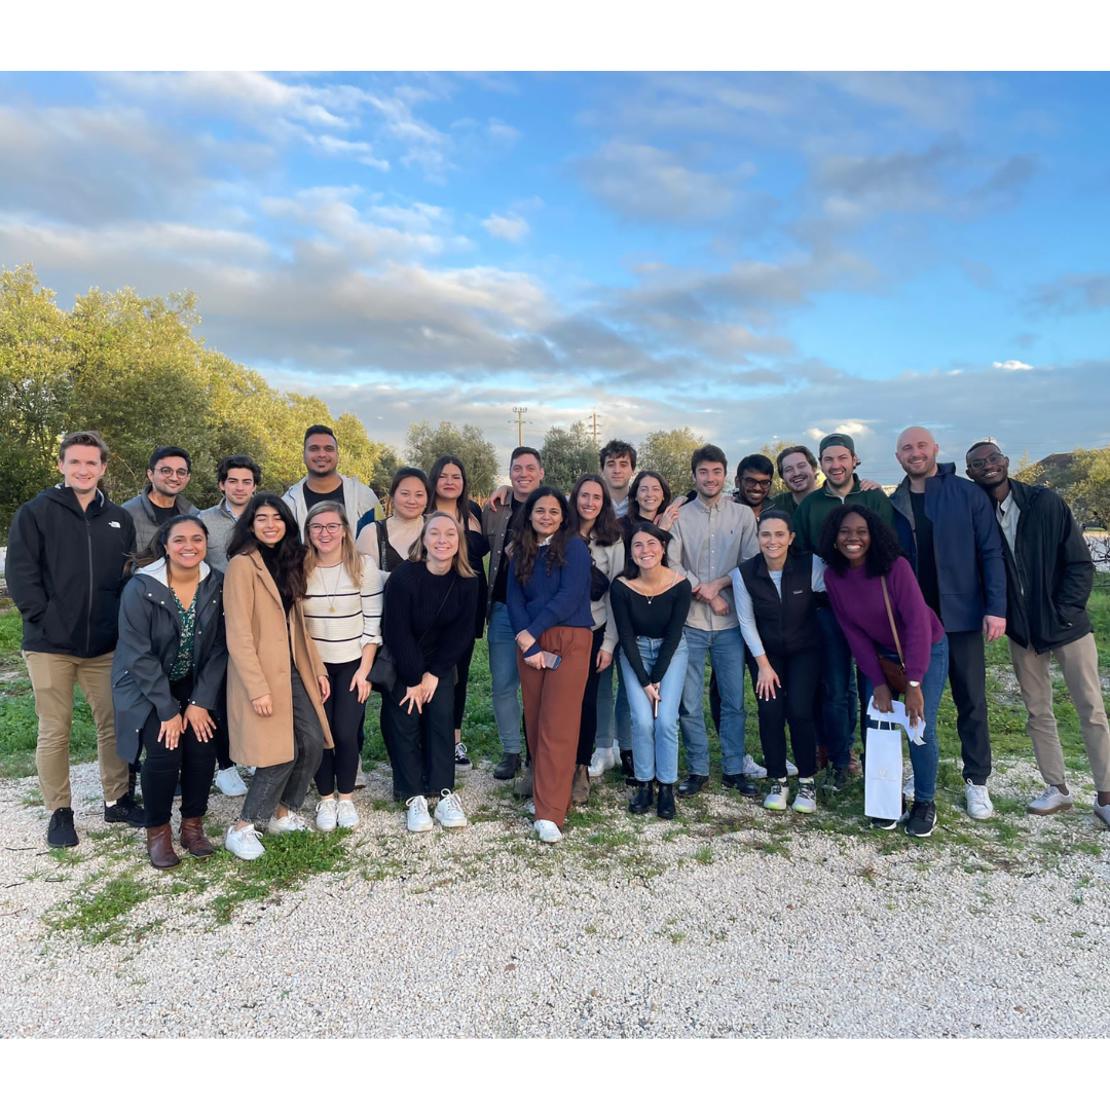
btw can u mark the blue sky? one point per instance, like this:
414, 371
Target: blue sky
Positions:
755, 255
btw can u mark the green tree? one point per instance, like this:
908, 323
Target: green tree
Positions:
568, 453
669, 453
427, 443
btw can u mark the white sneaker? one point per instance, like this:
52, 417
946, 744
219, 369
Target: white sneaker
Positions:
346, 816
1102, 812
449, 810
548, 832
791, 770
603, 760
360, 778
244, 842
753, 769
229, 783
806, 800
1050, 800
777, 797
978, 802
326, 814
530, 807
418, 820
291, 822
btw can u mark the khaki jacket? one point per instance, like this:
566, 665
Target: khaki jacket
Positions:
258, 663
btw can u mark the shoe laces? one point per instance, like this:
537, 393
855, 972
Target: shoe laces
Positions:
450, 801
777, 787
807, 790
250, 830
460, 750
418, 801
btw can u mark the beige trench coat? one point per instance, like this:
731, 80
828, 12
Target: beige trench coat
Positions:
258, 663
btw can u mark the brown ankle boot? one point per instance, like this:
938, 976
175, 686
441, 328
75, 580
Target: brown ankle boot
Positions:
159, 846
193, 839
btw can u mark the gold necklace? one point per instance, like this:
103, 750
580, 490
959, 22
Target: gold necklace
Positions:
334, 589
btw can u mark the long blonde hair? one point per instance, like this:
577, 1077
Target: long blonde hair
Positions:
461, 562
352, 557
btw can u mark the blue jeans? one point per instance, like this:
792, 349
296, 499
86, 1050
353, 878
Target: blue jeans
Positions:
504, 677
837, 695
726, 649
925, 757
655, 739
613, 729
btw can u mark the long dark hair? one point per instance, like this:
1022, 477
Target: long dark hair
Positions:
881, 552
606, 529
631, 570
634, 505
156, 549
462, 503
525, 545
286, 561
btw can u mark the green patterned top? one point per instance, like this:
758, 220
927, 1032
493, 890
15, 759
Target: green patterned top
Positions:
183, 664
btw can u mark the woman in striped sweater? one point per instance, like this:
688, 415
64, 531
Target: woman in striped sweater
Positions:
342, 608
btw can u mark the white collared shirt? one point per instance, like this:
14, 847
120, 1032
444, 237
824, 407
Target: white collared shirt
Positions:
1007, 513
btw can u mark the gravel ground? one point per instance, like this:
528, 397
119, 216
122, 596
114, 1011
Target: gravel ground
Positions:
629, 928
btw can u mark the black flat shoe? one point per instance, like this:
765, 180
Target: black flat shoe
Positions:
125, 810
508, 767
664, 805
691, 785
643, 799
741, 784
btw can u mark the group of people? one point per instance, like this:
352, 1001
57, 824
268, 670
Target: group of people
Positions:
251, 634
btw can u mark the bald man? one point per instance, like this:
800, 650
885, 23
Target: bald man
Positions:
947, 530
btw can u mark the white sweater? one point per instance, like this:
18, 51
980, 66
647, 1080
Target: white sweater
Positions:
355, 621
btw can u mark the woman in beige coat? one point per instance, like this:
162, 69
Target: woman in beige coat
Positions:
276, 684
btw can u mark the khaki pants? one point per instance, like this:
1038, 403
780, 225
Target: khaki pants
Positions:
1079, 663
53, 678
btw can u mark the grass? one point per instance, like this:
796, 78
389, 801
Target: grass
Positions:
114, 899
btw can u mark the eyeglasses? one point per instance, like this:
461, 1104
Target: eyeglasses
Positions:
981, 464
169, 472
758, 483
331, 529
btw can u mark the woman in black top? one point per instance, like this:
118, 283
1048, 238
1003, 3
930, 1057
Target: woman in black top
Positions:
427, 625
650, 604
448, 484
391, 541
167, 673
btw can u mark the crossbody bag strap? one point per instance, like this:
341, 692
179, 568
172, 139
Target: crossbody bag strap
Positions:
893, 626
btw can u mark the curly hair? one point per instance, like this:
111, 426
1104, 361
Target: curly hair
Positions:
606, 529
882, 552
526, 547
289, 552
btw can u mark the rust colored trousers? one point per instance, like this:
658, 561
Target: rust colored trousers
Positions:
552, 714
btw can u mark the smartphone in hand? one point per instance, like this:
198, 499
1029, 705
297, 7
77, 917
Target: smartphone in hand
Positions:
551, 661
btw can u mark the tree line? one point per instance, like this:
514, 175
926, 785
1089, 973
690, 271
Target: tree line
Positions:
132, 368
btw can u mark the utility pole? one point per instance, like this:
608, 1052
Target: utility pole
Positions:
519, 412
593, 426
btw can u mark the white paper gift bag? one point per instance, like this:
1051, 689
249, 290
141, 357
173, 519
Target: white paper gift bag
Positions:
882, 784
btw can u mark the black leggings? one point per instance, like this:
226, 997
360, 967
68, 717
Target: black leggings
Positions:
800, 675
421, 745
587, 728
462, 671
191, 761
339, 765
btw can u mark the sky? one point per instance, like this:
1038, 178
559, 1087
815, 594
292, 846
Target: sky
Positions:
759, 256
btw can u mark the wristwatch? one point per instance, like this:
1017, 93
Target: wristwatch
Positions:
915, 685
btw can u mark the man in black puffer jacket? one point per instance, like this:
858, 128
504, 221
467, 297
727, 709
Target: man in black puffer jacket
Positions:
1049, 578
67, 550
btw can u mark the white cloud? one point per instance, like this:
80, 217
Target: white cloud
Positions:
511, 228
1011, 364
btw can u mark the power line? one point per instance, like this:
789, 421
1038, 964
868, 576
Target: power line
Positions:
519, 411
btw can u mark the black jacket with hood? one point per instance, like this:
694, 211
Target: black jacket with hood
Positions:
65, 571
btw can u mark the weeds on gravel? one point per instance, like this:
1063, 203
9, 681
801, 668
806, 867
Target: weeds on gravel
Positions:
100, 914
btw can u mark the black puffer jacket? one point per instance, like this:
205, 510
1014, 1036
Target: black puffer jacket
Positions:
1050, 574
65, 571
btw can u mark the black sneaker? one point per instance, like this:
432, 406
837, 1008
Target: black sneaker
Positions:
60, 833
462, 760
884, 822
691, 785
125, 810
508, 767
628, 766
923, 819
741, 784
839, 779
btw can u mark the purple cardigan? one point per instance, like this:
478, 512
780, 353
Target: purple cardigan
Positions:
857, 601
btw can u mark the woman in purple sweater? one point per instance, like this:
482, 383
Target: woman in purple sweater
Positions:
862, 553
